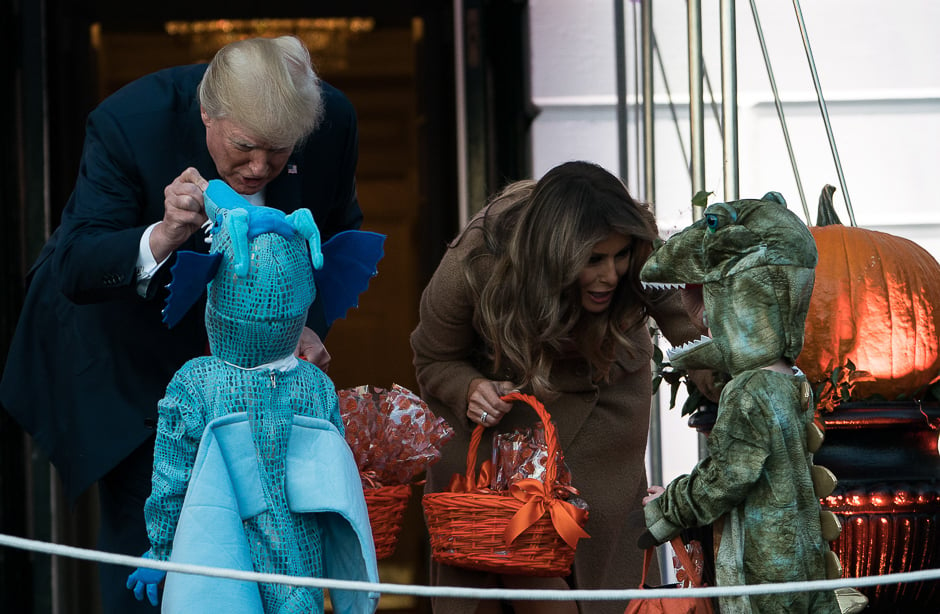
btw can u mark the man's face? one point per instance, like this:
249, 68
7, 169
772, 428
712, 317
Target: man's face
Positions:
244, 162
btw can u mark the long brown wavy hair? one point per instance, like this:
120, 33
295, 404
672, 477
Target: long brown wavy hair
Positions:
530, 310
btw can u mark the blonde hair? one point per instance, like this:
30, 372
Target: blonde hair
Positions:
530, 309
267, 86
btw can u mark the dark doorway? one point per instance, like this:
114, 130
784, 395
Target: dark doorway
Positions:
393, 60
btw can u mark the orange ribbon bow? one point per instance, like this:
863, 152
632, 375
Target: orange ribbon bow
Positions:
460, 483
538, 498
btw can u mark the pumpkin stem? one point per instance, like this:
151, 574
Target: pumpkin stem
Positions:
826, 213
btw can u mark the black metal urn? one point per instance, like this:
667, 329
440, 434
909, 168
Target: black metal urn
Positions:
888, 498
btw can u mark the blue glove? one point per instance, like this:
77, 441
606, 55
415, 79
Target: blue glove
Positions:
146, 579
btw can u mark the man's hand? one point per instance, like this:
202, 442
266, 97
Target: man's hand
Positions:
183, 213
310, 347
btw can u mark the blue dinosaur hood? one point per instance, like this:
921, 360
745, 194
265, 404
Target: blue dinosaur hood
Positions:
257, 302
755, 262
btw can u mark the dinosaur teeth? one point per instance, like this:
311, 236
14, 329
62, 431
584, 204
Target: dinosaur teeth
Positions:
686, 347
655, 285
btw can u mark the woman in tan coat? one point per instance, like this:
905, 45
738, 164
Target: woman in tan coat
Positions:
541, 293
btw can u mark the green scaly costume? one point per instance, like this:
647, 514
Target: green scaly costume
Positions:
755, 262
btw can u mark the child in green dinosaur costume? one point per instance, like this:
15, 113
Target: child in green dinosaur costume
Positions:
754, 262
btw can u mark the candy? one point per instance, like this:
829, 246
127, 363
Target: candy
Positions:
393, 434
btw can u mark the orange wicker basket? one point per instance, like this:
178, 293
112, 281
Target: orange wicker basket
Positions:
386, 505
481, 530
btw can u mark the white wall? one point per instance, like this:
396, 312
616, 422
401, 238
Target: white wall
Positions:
879, 69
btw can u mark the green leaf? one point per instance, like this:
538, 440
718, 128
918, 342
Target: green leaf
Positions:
695, 400
672, 396
701, 198
835, 376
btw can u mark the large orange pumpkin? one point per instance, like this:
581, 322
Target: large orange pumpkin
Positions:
875, 305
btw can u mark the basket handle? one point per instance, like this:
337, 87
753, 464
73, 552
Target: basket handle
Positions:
567, 519
551, 439
684, 559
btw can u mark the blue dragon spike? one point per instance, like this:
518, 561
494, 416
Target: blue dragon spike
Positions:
342, 266
350, 259
191, 273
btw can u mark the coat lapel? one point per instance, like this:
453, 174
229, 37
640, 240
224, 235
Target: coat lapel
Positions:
284, 192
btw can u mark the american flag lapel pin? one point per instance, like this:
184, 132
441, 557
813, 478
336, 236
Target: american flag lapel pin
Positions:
291, 169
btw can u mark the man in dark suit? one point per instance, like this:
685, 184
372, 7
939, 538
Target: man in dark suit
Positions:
91, 356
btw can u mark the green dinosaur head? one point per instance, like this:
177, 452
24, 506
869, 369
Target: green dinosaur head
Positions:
755, 262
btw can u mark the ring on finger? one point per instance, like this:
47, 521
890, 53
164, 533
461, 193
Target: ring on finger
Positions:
483, 417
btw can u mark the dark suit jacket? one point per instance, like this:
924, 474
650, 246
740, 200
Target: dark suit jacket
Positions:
90, 358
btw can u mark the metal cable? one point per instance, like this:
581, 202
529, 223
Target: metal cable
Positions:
711, 99
822, 109
672, 106
779, 107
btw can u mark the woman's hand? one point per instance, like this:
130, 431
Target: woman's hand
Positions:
484, 405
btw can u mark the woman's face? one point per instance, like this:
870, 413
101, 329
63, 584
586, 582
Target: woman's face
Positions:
599, 277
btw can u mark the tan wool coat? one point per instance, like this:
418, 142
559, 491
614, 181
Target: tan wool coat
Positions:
602, 428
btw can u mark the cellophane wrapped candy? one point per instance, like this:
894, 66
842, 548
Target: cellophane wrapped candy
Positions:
393, 434
522, 454
697, 555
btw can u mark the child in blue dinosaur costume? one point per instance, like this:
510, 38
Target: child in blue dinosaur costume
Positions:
251, 469
754, 262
